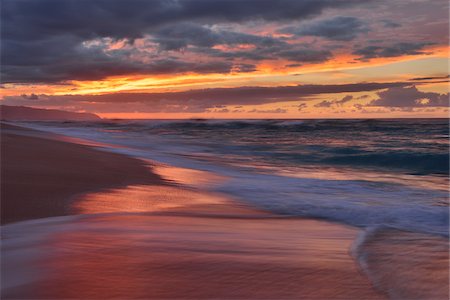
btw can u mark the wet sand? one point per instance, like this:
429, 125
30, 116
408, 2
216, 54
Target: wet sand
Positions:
183, 257
407, 265
40, 175
144, 239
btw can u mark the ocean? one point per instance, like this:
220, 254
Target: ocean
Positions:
389, 173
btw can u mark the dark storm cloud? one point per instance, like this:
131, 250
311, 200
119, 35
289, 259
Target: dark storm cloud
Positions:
279, 50
244, 68
399, 49
65, 58
42, 41
305, 55
179, 36
133, 18
410, 97
338, 28
195, 100
98, 67
246, 95
390, 24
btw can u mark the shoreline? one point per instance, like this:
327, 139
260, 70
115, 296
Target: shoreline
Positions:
253, 254
281, 258
404, 264
36, 165
131, 256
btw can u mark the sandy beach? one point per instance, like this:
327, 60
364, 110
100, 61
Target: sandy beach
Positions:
40, 174
120, 231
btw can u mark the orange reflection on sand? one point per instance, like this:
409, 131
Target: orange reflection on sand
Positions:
182, 257
142, 198
186, 176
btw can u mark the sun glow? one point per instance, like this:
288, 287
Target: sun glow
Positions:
268, 73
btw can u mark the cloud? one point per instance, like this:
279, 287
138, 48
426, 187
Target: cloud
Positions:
120, 19
398, 49
269, 111
193, 100
244, 68
97, 66
306, 55
50, 41
222, 110
324, 103
338, 28
344, 100
431, 78
299, 53
179, 36
341, 102
30, 97
410, 96
302, 106
358, 106
390, 24
68, 58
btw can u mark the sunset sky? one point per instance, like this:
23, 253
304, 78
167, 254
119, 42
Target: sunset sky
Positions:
227, 58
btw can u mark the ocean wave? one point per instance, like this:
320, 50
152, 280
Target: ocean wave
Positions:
411, 146
382, 125
416, 163
253, 157
358, 203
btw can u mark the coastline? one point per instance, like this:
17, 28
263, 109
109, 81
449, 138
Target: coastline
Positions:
196, 248
406, 265
37, 166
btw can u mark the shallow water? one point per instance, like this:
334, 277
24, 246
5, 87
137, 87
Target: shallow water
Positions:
364, 173
405, 265
387, 178
166, 242
142, 255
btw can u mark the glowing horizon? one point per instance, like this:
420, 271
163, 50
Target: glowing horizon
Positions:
327, 45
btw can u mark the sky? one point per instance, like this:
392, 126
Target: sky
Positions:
227, 58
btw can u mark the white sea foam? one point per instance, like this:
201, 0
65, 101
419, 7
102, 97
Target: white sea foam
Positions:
399, 203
